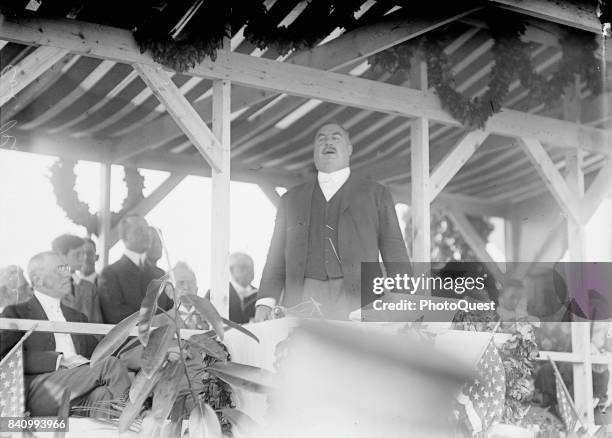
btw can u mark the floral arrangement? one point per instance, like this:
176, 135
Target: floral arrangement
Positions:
181, 380
63, 180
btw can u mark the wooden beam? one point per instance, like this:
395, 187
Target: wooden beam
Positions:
82, 328
220, 208
599, 190
104, 224
553, 180
465, 204
332, 56
19, 76
454, 161
419, 174
118, 45
371, 39
476, 243
270, 193
568, 13
182, 112
149, 203
35, 89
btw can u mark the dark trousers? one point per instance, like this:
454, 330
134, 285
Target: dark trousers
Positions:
88, 386
331, 294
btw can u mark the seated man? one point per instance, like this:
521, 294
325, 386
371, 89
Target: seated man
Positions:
123, 285
186, 284
14, 288
83, 295
56, 361
87, 271
242, 294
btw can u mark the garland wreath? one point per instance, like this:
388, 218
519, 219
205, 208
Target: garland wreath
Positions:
511, 59
63, 179
187, 38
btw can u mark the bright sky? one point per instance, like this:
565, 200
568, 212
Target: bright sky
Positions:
30, 217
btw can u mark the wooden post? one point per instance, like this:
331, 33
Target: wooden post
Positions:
581, 330
104, 225
220, 220
419, 150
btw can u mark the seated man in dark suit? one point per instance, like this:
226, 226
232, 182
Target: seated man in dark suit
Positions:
123, 285
56, 361
242, 295
83, 295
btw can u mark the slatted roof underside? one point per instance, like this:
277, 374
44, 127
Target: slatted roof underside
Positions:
87, 98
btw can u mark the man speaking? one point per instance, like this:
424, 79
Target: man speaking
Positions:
324, 229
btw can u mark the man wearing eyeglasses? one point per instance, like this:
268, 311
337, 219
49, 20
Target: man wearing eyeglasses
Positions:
54, 362
83, 295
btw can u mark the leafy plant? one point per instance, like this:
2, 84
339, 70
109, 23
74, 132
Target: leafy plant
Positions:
182, 379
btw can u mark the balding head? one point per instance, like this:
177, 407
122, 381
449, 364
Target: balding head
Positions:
184, 279
241, 268
49, 274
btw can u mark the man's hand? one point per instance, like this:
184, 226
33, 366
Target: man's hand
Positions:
262, 313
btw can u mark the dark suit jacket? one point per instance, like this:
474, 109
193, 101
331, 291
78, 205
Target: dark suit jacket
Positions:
39, 349
239, 312
122, 287
367, 226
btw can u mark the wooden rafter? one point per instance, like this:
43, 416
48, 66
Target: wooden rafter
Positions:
452, 163
118, 45
183, 113
573, 14
20, 75
271, 193
147, 204
333, 56
476, 243
35, 89
220, 208
567, 200
600, 188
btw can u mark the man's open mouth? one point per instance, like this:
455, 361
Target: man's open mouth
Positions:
329, 151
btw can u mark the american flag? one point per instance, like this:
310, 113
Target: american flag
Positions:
484, 397
565, 405
12, 397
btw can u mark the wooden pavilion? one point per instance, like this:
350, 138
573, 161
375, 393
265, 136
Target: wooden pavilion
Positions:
84, 91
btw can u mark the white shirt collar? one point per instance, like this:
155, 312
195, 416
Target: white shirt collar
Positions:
46, 301
241, 290
330, 183
136, 258
91, 277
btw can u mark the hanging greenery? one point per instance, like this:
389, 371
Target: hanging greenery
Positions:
180, 34
511, 61
63, 179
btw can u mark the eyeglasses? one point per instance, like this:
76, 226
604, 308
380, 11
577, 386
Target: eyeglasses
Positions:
63, 268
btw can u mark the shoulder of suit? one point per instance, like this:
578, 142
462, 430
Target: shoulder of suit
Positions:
19, 308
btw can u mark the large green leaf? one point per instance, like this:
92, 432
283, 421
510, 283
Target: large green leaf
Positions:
156, 350
240, 328
203, 422
165, 392
209, 345
113, 339
139, 391
242, 424
247, 377
206, 311
149, 307
171, 429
